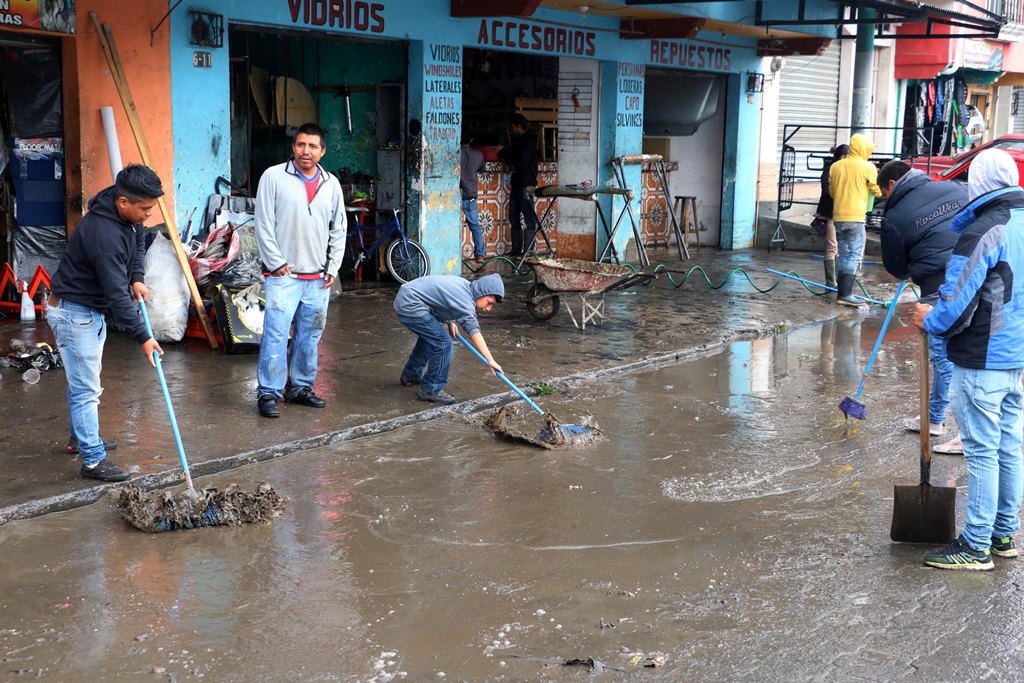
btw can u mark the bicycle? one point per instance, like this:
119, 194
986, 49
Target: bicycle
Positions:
404, 258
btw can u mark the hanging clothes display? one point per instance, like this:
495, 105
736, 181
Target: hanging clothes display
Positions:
938, 108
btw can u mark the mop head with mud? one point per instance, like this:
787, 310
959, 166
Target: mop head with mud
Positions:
156, 511
544, 430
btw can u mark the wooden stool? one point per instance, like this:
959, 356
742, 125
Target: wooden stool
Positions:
688, 217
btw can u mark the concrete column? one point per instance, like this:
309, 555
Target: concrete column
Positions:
621, 133
862, 72
435, 124
1002, 120
739, 165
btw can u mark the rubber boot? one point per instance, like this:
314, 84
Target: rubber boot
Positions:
830, 272
845, 294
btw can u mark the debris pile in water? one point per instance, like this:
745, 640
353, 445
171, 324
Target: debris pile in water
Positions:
167, 510
512, 422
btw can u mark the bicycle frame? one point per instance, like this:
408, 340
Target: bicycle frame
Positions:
402, 255
394, 229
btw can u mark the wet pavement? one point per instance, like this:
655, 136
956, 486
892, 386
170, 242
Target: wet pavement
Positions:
363, 351
733, 522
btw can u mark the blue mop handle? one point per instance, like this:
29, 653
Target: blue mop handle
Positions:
818, 284
499, 374
881, 334
167, 400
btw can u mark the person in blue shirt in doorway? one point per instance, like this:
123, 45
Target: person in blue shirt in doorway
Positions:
979, 313
432, 307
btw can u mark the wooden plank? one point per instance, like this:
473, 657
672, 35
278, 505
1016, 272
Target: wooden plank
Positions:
106, 36
539, 116
536, 102
493, 8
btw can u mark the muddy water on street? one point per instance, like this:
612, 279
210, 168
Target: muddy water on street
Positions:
731, 522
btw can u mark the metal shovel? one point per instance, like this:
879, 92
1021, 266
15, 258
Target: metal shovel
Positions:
923, 513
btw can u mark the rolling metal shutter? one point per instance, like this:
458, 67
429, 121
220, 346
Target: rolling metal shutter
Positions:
1017, 110
809, 94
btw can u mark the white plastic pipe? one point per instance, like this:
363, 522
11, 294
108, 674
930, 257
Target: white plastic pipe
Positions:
113, 146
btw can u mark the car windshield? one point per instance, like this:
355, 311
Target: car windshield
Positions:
959, 170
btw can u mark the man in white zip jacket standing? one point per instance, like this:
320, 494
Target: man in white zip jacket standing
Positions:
300, 230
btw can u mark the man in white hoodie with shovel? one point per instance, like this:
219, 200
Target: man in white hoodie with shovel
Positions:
980, 311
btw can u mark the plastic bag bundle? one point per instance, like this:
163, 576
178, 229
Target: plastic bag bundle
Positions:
25, 355
168, 289
213, 255
251, 306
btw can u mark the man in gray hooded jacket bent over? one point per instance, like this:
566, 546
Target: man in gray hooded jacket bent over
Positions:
429, 304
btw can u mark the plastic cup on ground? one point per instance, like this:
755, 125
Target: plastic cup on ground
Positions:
31, 376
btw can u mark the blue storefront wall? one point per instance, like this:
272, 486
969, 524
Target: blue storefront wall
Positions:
201, 117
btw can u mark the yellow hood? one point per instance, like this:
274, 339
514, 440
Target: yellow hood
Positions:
851, 180
861, 147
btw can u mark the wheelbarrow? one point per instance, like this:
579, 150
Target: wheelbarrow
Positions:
586, 281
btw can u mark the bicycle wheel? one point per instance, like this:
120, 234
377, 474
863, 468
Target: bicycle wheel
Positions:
406, 260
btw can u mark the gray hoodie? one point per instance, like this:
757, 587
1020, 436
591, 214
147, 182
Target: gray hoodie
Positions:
449, 298
309, 237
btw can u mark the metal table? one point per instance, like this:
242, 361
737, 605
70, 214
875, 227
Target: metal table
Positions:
590, 194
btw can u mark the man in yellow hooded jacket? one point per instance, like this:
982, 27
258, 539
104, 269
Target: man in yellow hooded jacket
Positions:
851, 180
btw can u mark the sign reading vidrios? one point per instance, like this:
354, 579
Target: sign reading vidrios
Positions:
58, 17
354, 15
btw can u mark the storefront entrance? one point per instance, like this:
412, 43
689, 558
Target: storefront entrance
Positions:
497, 85
33, 214
684, 122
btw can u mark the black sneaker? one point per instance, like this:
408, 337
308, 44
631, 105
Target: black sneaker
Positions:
73, 445
267, 404
1003, 546
959, 555
306, 397
105, 470
406, 382
439, 396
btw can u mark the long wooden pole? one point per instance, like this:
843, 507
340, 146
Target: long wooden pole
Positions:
106, 37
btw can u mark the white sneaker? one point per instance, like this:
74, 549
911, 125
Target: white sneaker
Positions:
954, 446
915, 426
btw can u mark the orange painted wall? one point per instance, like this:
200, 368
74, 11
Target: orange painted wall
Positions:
148, 71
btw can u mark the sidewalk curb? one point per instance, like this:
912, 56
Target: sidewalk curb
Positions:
83, 497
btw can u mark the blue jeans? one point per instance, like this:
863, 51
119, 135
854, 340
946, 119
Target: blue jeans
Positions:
988, 408
943, 369
473, 219
282, 371
431, 358
80, 332
851, 237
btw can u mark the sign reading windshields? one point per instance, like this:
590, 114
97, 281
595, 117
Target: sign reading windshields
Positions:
57, 16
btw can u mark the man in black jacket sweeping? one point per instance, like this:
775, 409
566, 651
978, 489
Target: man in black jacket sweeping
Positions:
917, 243
102, 273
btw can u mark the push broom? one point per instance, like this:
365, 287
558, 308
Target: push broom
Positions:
164, 511
553, 434
852, 406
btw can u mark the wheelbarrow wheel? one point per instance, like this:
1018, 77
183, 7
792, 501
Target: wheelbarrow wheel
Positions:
541, 303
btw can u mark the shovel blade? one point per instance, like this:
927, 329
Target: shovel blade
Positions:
923, 514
